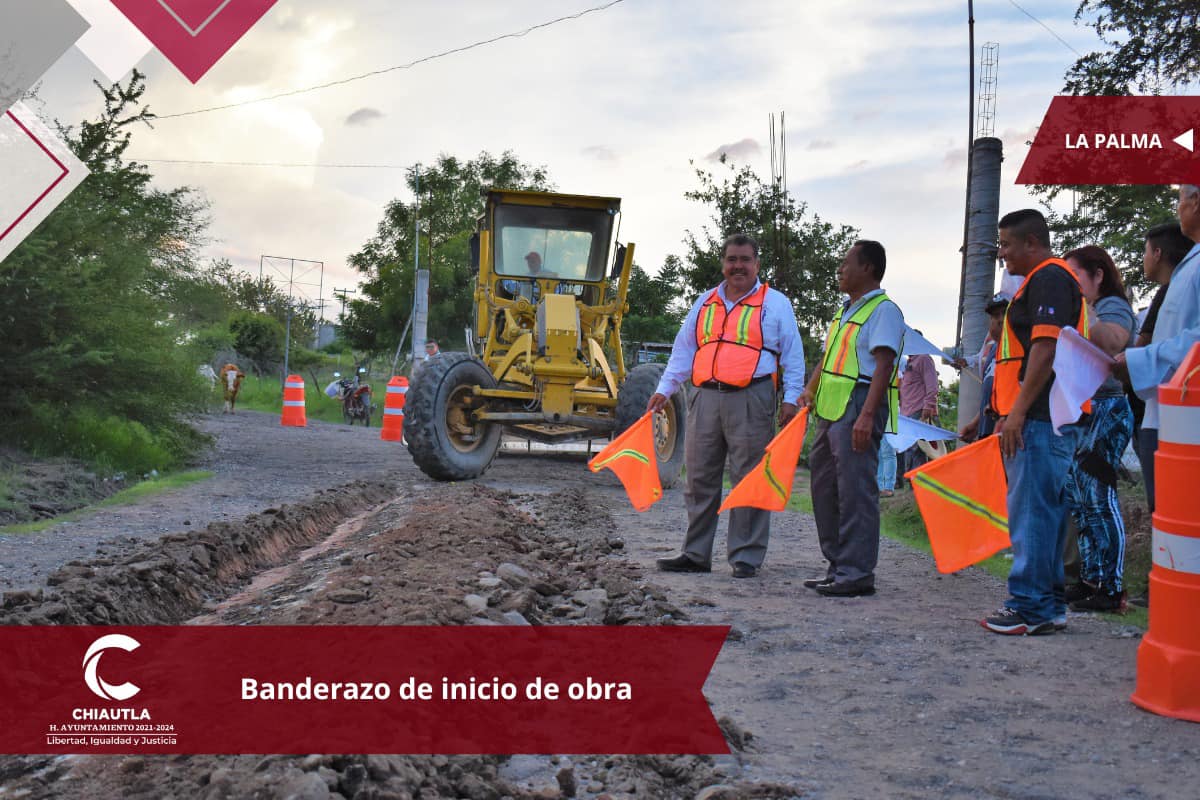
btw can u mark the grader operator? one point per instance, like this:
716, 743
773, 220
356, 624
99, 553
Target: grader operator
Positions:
549, 298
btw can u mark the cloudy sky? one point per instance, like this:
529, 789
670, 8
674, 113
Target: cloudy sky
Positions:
617, 102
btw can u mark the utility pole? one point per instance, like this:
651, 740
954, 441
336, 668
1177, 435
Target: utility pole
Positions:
342, 294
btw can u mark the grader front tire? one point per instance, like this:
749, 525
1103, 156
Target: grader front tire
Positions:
442, 438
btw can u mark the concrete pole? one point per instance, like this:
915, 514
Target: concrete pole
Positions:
979, 282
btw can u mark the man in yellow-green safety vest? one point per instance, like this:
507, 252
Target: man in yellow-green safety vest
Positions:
855, 396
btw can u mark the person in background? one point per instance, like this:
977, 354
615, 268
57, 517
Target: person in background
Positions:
984, 365
1166, 246
918, 400
431, 349
1092, 483
885, 475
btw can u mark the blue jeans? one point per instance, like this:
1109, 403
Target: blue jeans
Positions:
1037, 519
1092, 492
885, 475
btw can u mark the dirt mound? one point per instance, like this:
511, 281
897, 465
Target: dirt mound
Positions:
168, 581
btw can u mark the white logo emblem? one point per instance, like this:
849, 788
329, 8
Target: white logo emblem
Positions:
91, 662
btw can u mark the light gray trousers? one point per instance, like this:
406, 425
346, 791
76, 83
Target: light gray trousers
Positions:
845, 494
737, 426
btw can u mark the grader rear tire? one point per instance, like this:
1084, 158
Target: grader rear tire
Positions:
670, 425
442, 439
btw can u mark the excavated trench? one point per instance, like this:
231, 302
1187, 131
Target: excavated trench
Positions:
438, 554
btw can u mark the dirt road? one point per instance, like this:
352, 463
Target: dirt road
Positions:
897, 695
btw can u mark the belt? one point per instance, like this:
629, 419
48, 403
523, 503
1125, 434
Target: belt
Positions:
729, 387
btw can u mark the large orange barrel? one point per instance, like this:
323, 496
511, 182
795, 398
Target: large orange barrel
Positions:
393, 410
293, 402
1168, 663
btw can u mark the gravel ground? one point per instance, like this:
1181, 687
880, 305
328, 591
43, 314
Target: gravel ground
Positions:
897, 695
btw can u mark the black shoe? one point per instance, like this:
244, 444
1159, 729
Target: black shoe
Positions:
744, 570
1010, 623
681, 563
1101, 600
846, 589
813, 583
1078, 591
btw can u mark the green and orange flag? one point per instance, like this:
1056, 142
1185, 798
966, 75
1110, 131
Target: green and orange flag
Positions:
769, 485
631, 457
963, 501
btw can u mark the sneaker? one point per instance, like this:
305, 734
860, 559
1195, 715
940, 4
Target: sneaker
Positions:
1011, 623
1060, 622
813, 583
1101, 601
1078, 591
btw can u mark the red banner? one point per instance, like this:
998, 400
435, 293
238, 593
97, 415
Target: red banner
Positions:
344, 689
1116, 140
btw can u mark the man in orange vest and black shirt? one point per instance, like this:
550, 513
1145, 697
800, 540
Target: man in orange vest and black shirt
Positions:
731, 345
1036, 459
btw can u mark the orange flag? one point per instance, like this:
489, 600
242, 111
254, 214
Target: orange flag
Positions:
769, 485
631, 457
963, 500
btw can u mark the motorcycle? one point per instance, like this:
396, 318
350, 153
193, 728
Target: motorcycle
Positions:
355, 397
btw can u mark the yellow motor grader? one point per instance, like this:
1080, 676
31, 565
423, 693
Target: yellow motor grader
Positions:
548, 307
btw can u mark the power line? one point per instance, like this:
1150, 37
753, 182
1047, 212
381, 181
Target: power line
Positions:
267, 164
1065, 43
409, 65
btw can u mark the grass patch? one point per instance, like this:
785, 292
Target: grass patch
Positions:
133, 494
266, 394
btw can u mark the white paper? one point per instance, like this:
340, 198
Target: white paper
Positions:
113, 43
1079, 369
908, 431
915, 344
39, 172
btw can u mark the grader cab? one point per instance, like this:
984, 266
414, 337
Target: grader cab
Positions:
549, 298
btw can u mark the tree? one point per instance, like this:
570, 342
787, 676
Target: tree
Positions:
799, 251
258, 337
85, 301
1151, 46
655, 308
450, 203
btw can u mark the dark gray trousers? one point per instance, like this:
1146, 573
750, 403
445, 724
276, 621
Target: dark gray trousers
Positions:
737, 426
845, 495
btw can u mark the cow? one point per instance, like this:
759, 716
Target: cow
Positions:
231, 382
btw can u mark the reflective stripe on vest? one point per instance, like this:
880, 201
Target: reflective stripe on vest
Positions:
840, 370
728, 344
1010, 355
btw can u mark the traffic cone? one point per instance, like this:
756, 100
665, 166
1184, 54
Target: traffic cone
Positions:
293, 402
1168, 663
393, 410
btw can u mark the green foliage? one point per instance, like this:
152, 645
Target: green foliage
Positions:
258, 337
799, 251
85, 303
655, 308
1152, 47
450, 202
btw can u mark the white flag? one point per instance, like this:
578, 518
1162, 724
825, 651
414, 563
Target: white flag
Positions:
1079, 369
908, 431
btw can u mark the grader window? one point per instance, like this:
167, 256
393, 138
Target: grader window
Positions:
568, 244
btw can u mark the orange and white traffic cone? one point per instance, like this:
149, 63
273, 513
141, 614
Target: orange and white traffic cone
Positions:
393, 410
293, 402
1168, 663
